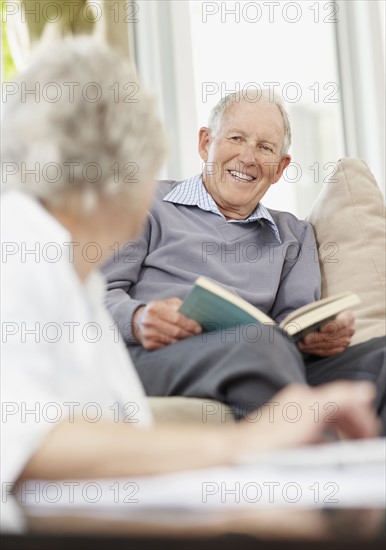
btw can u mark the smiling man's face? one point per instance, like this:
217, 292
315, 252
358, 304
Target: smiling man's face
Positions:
244, 158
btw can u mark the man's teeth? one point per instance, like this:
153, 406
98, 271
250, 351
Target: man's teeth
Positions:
241, 176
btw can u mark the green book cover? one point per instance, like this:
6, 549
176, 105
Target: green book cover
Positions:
215, 307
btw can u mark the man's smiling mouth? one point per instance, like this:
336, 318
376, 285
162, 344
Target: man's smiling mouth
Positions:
239, 176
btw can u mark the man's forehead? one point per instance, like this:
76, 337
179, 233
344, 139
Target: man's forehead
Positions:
260, 106
242, 113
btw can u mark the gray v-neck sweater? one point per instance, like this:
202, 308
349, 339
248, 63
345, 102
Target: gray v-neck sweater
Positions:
179, 243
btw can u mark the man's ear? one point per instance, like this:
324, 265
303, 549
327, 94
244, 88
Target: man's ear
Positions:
283, 163
203, 142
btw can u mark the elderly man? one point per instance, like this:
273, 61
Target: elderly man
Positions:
204, 226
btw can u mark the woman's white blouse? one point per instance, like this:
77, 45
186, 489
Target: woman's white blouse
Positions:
62, 356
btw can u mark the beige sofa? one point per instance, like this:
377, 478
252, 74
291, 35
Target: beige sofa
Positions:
348, 217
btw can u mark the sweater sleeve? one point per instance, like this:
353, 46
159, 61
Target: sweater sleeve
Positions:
121, 272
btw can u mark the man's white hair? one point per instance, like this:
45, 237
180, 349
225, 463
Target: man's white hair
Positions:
219, 111
89, 127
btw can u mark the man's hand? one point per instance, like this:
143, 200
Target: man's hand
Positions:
159, 324
333, 337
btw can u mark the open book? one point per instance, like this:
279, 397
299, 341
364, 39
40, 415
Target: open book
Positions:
214, 308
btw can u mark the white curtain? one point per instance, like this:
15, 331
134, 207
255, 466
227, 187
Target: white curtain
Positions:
360, 44
164, 59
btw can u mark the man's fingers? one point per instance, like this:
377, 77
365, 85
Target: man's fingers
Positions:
167, 311
344, 322
332, 338
175, 302
170, 323
181, 320
321, 342
346, 318
328, 335
154, 327
329, 347
160, 324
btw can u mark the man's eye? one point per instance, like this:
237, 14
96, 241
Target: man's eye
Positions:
266, 148
237, 139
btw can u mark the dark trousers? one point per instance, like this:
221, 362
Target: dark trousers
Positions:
244, 369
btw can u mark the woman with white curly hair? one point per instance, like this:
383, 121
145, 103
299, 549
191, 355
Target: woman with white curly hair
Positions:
82, 148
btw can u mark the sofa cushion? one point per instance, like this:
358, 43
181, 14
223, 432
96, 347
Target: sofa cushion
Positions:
190, 410
349, 221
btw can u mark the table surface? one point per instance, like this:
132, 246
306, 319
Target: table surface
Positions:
177, 529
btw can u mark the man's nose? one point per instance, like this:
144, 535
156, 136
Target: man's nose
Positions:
248, 153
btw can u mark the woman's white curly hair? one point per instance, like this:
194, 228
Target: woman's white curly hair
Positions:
88, 127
